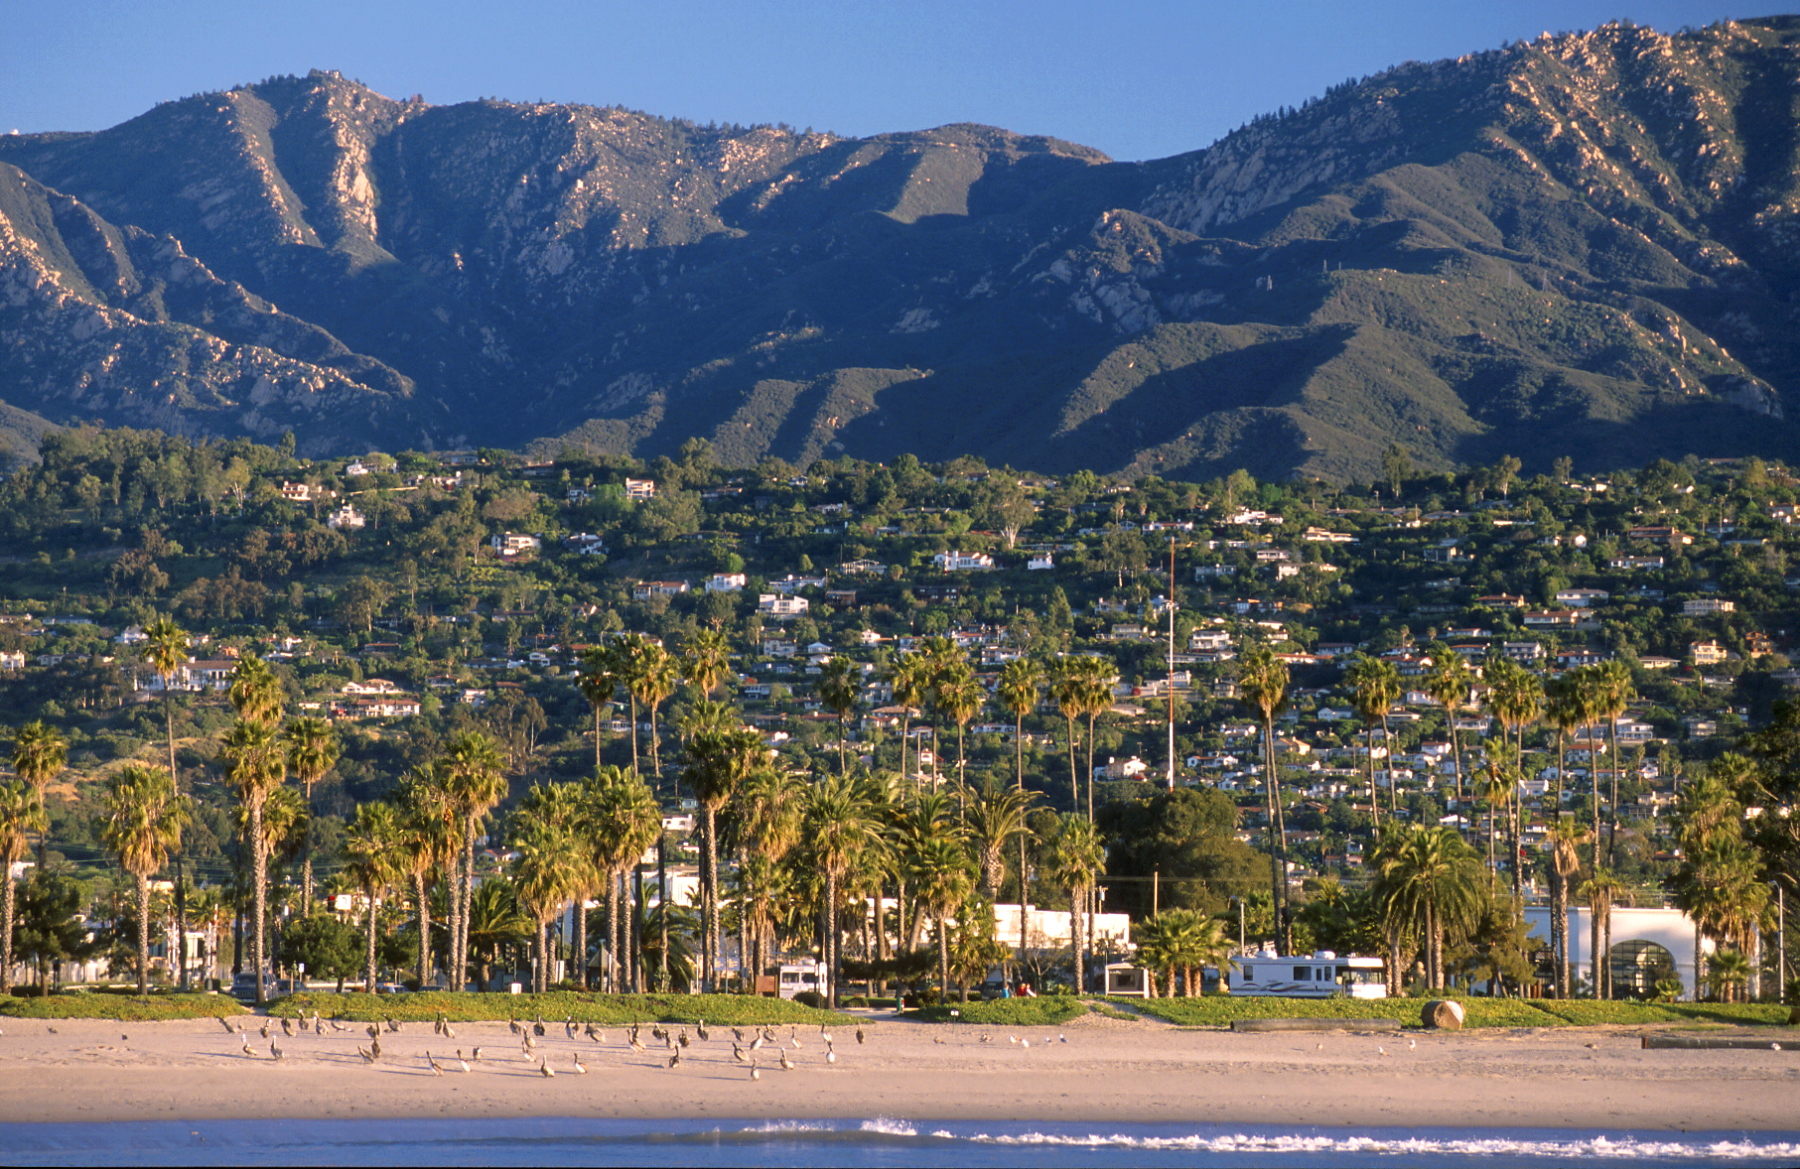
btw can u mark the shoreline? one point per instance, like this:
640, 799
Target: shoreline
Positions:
1092, 1070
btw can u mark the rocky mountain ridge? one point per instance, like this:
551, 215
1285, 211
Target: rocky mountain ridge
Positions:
1583, 245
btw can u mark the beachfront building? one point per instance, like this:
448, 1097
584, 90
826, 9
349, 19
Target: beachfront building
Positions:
1647, 944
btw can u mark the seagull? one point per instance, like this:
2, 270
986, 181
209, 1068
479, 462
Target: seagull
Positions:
1380, 1050
1013, 1039
1062, 1038
436, 1068
1024, 1042
544, 1068
1411, 1044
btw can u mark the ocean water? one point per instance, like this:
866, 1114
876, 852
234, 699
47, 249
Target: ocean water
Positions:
874, 1142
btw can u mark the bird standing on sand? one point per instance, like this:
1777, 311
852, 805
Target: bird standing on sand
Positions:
787, 1065
675, 1060
701, 1031
362, 1051
569, 1026
794, 1037
287, 1027
517, 1029
392, 1026
580, 1068
375, 1047
476, 1055
830, 1052
265, 1029
436, 1068
859, 1035
449, 1031
537, 1028
276, 1053
248, 1050
374, 1030
460, 1060
755, 1072
737, 1053
544, 1068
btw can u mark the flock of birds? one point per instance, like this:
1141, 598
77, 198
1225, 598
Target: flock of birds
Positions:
748, 1048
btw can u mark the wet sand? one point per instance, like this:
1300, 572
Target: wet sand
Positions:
1094, 1069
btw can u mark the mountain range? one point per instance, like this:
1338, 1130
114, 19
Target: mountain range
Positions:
1584, 245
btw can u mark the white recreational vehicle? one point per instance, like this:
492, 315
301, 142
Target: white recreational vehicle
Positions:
1317, 976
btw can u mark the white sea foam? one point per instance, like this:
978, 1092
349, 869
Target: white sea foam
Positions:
891, 1127
1595, 1148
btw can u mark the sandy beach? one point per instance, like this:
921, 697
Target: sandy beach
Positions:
1094, 1069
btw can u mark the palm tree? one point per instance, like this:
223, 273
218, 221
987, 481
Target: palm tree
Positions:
1448, 685
657, 676
477, 783
374, 857
960, 696
21, 814
1066, 688
993, 821
1612, 694
549, 869
941, 875
598, 684
255, 691
837, 828
1563, 711
1263, 681
706, 660
1427, 886
312, 750
1566, 836
255, 767
1099, 676
1018, 689
1516, 699
620, 821
39, 754
838, 691
1074, 858
910, 679
765, 828
718, 762
1374, 687
428, 840
1600, 889
144, 819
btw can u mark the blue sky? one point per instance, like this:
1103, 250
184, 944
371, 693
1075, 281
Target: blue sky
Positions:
1136, 79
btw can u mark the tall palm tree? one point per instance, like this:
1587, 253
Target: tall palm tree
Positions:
477, 783
21, 814
1098, 677
838, 691
1074, 858
941, 873
1448, 685
1066, 678
960, 696
1612, 694
1563, 711
1427, 881
765, 828
657, 677
312, 751
1018, 689
1374, 687
718, 763
1566, 837
909, 677
598, 684
255, 691
255, 767
1263, 682
1516, 699
837, 827
994, 820
428, 842
144, 819
374, 857
620, 821
549, 869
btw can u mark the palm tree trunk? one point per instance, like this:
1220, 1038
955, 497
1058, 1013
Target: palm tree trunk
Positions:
1075, 932
420, 892
1594, 948
7, 899
259, 877
369, 958
180, 855
1374, 801
580, 955
712, 899
143, 924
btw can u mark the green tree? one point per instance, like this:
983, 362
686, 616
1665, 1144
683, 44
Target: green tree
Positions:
312, 751
21, 813
1073, 860
1263, 682
1428, 887
144, 819
374, 857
